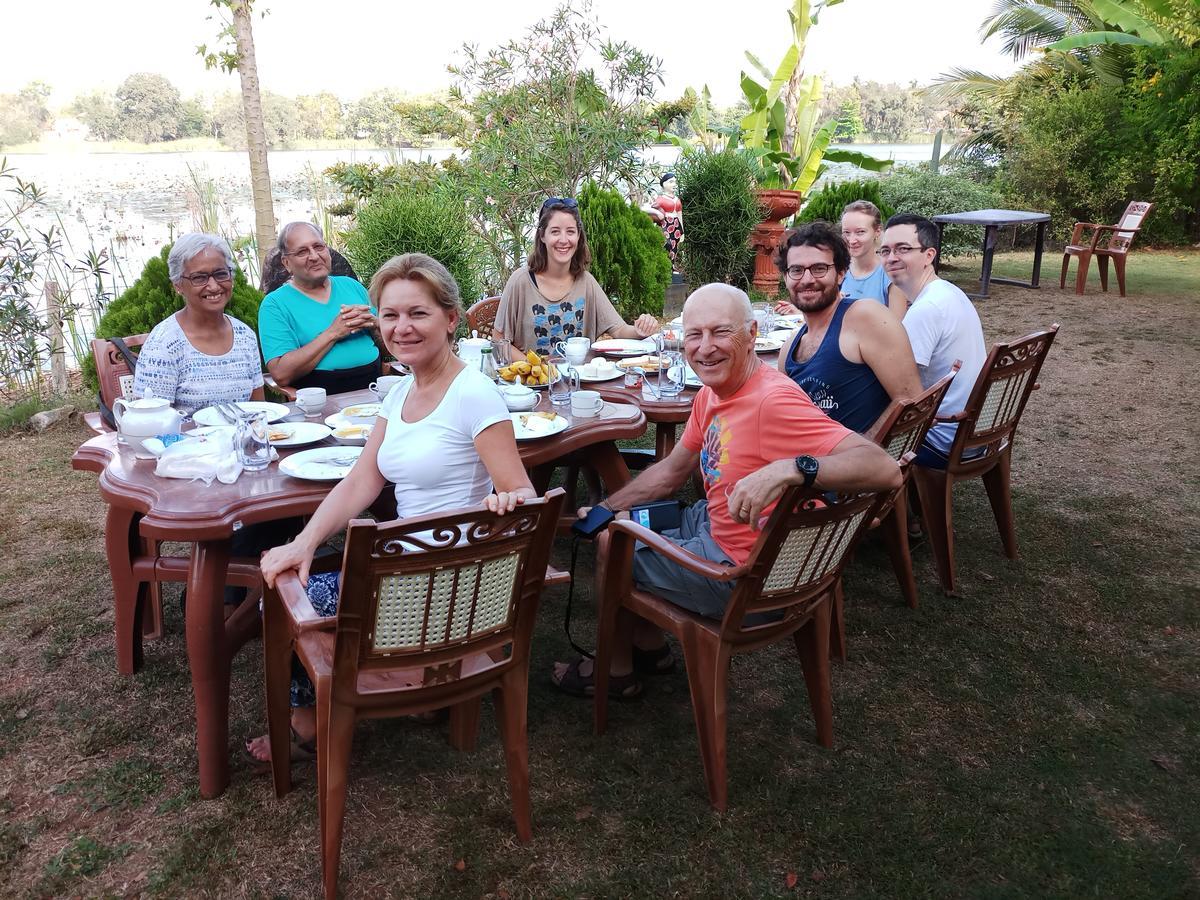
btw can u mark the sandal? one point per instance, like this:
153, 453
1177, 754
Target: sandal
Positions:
658, 661
620, 687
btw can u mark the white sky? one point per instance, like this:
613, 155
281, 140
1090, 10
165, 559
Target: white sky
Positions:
350, 47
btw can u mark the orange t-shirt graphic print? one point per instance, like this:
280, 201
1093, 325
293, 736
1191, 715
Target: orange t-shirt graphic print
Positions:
769, 418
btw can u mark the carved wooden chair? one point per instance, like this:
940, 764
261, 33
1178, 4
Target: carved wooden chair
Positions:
1120, 242
435, 611
982, 446
792, 572
482, 316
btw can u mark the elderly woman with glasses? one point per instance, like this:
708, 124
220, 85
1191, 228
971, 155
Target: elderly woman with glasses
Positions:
200, 355
317, 329
553, 296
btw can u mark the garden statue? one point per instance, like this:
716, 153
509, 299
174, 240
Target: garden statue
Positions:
667, 211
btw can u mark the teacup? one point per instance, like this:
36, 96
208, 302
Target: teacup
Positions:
381, 386
586, 404
311, 400
575, 349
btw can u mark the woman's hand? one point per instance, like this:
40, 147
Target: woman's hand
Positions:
783, 308
506, 501
278, 560
646, 325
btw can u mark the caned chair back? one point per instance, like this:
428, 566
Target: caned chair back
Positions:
903, 425
112, 371
427, 592
798, 558
1132, 218
998, 399
275, 276
481, 317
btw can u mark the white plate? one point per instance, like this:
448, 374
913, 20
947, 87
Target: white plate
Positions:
301, 433
555, 425
318, 465
624, 347
337, 420
792, 319
590, 379
691, 379
783, 335
767, 345
274, 411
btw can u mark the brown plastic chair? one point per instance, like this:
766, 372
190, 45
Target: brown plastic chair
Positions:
793, 570
982, 446
899, 431
1119, 244
482, 316
435, 611
114, 375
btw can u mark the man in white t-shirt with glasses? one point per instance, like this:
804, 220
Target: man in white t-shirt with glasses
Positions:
941, 322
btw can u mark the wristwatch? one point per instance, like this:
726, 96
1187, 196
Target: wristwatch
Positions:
808, 467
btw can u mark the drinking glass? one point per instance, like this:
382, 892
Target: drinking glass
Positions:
565, 383
253, 443
671, 374
764, 315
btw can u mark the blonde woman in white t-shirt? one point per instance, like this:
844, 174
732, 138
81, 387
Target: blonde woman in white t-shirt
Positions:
444, 439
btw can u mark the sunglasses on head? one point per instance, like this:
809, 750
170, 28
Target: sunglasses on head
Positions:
559, 203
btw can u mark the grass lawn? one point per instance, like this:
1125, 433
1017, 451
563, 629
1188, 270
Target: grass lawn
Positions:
1036, 736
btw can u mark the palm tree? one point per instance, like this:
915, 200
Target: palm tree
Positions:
242, 59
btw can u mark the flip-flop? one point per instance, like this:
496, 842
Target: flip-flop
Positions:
659, 661
620, 687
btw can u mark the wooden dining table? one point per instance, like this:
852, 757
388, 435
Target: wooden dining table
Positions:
144, 508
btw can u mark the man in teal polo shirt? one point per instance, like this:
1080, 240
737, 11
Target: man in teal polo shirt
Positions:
317, 329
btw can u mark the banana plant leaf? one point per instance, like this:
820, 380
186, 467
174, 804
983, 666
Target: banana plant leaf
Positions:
862, 160
758, 64
1095, 38
808, 173
784, 73
1121, 15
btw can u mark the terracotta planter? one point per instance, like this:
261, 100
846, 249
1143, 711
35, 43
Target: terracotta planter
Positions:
764, 239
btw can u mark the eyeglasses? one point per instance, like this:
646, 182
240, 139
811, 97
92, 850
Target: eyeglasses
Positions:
818, 270
559, 202
304, 252
200, 279
899, 250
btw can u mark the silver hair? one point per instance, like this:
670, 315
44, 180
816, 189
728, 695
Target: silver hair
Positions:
281, 244
188, 246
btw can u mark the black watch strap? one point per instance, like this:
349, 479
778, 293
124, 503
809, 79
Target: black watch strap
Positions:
808, 467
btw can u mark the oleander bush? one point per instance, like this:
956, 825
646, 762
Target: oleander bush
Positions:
827, 204
152, 298
416, 221
628, 254
720, 209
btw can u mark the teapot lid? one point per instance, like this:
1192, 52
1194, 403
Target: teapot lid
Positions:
149, 403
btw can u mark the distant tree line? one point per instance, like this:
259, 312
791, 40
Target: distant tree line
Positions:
24, 115
887, 113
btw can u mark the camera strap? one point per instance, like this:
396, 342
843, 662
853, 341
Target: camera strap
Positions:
570, 598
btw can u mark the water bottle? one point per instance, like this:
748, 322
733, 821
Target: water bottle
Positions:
253, 443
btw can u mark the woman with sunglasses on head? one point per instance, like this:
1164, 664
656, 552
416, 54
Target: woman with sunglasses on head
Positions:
862, 227
553, 296
199, 355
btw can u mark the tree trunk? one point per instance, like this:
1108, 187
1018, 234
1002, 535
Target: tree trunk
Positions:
256, 132
58, 355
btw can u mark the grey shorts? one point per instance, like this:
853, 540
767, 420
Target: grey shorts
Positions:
682, 587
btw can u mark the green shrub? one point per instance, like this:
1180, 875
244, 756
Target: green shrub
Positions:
152, 298
409, 221
929, 194
720, 209
628, 255
828, 203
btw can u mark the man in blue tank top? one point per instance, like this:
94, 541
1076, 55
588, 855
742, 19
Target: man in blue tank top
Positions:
852, 357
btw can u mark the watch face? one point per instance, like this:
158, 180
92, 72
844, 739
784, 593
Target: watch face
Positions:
807, 466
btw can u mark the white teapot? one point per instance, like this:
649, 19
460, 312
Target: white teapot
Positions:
146, 418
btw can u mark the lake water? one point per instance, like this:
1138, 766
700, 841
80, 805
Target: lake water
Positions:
132, 203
